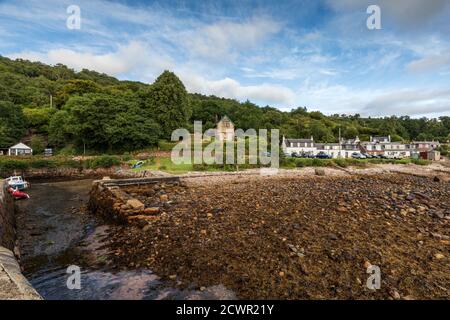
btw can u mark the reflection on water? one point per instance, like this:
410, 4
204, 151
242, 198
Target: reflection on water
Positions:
123, 285
54, 233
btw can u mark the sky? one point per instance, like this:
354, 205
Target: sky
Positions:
317, 54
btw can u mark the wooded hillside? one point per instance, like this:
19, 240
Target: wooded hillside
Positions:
57, 107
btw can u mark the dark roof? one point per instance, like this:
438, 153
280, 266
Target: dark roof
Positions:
299, 140
434, 142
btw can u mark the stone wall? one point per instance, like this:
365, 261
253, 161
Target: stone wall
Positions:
13, 285
114, 200
7, 233
51, 173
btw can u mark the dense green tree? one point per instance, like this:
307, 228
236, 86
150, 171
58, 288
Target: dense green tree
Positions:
39, 118
167, 100
38, 145
108, 114
106, 122
13, 124
59, 135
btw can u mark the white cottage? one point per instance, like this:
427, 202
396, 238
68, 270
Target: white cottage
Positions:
20, 149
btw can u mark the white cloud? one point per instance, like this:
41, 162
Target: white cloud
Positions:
411, 102
134, 58
223, 39
230, 88
431, 63
333, 98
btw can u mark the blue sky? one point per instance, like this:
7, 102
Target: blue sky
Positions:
285, 53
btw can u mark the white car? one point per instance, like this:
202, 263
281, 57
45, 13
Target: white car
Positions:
17, 182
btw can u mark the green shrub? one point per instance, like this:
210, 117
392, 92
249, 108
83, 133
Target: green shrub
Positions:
13, 164
67, 151
72, 164
200, 167
166, 145
150, 161
421, 162
303, 162
343, 163
38, 145
43, 163
126, 157
403, 161
104, 161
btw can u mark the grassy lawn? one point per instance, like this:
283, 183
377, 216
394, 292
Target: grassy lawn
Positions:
165, 164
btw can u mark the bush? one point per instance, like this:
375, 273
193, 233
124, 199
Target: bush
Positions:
43, 163
166, 145
150, 161
421, 162
343, 163
126, 157
13, 164
67, 151
38, 145
72, 164
200, 167
103, 162
303, 162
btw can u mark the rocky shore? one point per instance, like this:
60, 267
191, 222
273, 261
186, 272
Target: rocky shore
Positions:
290, 237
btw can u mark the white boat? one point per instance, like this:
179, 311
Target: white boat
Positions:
17, 182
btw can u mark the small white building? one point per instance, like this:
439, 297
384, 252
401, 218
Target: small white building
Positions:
20, 149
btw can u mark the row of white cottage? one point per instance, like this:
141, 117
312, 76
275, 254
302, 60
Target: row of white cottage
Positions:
381, 145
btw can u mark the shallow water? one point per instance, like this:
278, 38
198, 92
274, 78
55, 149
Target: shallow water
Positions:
55, 231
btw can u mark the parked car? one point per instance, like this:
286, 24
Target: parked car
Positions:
294, 155
357, 155
16, 182
323, 155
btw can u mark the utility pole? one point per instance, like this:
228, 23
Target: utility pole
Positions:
51, 101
